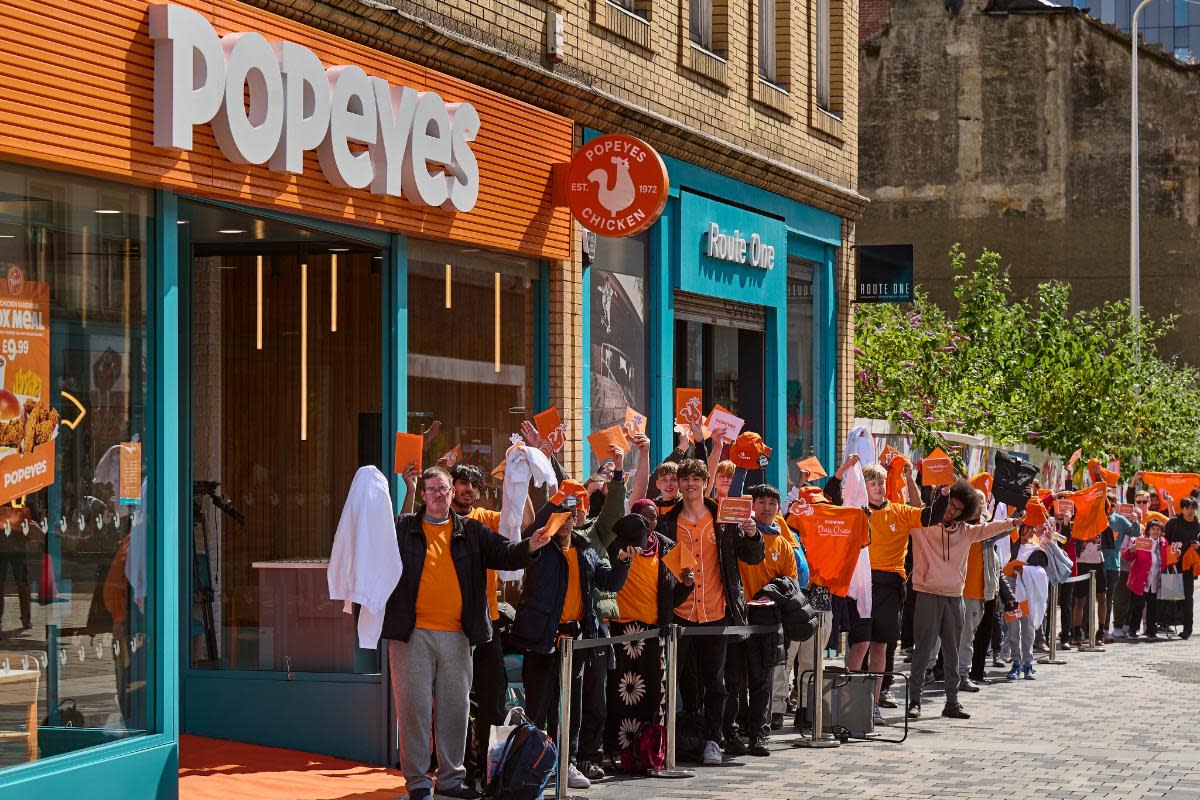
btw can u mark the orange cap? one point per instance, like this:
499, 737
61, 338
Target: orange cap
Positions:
748, 450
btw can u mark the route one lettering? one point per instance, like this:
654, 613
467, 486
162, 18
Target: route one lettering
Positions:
736, 249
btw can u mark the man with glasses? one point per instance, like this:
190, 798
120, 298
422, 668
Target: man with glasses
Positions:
435, 616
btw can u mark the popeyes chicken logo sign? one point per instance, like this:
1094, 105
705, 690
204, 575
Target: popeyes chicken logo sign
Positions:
617, 185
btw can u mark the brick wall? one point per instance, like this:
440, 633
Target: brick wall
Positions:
639, 73
873, 16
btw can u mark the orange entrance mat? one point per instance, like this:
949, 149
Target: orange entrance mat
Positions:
215, 769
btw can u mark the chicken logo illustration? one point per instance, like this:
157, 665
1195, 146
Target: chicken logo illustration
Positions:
621, 194
617, 185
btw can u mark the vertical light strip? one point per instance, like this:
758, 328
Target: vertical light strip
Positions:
304, 352
448, 270
333, 293
497, 316
83, 285
258, 306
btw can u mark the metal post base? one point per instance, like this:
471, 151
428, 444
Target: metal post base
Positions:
1090, 648
671, 773
825, 740
1048, 660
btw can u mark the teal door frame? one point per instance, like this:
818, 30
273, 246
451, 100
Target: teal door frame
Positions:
340, 714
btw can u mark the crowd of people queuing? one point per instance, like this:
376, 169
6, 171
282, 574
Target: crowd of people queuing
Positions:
938, 572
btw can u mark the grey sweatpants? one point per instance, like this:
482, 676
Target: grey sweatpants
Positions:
1020, 637
934, 616
432, 669
972, 616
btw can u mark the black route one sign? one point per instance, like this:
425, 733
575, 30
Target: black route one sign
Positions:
885, 273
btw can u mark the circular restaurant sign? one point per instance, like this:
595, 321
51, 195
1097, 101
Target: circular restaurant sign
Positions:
617, 185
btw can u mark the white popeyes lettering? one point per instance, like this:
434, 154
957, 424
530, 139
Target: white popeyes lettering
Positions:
736, 249
13, 477
367, 133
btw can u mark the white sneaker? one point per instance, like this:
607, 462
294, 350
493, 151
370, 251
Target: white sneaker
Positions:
576, 779
879, 720
712, 754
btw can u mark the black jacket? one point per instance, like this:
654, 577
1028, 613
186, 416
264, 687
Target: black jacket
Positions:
732, 547
475, 550
671, 593
544, 590
796, 615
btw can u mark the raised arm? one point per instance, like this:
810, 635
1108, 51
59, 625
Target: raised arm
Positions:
641, 478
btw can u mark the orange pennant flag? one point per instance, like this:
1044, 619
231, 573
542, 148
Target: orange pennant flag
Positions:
937, 469
679, 559
1101, 475
813, 465
603, 442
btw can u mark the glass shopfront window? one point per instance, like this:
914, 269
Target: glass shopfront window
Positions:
472, 338
286, 404
799, 362
77, 594
620, 341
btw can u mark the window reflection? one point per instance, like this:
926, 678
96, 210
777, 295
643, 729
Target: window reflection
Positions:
76, 596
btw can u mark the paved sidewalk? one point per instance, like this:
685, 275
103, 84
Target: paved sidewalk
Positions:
1124, 723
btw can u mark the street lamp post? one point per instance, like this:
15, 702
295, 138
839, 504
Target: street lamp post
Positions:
1135, 267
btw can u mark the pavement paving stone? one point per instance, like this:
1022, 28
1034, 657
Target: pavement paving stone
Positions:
1023, 742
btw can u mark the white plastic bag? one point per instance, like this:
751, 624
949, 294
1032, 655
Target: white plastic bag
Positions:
498, 738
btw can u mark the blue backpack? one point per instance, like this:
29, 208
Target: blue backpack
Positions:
524, 766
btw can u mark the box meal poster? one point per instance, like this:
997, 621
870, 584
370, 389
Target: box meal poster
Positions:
28, 423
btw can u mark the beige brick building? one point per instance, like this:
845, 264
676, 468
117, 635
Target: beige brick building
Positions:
771, 103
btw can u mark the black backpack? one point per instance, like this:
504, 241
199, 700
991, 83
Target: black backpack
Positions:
525, 766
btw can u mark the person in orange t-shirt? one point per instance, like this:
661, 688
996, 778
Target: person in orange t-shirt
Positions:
435, 615
490, 679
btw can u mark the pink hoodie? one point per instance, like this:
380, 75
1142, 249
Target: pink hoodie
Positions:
940, 554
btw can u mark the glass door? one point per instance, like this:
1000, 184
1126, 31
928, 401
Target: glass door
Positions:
286, 349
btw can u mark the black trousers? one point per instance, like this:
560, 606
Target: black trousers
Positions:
703, 659
1189, 590
983, 638
591, 722
1066, 603
488, 686
539, 674
1147, 602
748, 686
16, 562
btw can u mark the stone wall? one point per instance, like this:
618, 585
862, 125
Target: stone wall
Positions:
1012, 132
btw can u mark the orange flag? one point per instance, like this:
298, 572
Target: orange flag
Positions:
1100, 474
1090, 518
893, 460
937, 469
1178, 484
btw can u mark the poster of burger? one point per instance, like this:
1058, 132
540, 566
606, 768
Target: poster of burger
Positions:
28, 424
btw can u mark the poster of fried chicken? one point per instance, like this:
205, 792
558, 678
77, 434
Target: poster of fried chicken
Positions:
28, 423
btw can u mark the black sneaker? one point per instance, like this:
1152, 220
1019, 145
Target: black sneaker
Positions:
734, 746
758, 747
419, 794
955, 711
591, 770
914, 711
1185, 633
460, 792
967, 685
777, 722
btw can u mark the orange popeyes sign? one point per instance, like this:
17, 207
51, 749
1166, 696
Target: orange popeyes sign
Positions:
86, 101
28, 423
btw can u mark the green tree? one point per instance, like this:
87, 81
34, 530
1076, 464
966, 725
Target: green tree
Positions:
1028, 370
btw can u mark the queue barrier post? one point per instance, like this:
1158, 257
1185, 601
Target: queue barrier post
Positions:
1093, 646
819, 737
671, 685
566, 651
1052, 610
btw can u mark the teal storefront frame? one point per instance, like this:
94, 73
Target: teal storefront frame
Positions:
145, 767
676, 261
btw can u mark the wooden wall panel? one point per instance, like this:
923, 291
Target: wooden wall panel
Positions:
79, 96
